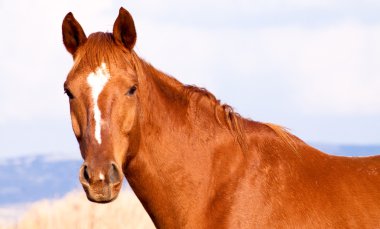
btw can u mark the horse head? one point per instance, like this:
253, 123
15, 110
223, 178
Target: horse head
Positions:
102, 90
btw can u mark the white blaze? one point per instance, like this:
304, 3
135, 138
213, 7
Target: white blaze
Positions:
97, 80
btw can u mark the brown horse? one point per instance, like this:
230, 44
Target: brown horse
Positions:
192, 161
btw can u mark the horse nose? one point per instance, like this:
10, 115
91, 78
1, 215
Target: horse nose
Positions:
84, 176
109, 173
114, 174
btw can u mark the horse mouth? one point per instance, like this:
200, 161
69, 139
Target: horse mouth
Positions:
102, 193
101, 199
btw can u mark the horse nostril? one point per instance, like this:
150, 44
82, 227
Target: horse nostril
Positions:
114, 174
86, 176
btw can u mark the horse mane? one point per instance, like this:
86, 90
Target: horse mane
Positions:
231, 118
285, 135
234, 119
100, 47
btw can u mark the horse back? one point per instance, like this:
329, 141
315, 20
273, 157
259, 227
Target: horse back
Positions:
299, 186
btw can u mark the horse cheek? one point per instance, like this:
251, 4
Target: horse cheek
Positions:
75, 125
128, 121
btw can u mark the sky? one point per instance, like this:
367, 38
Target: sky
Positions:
311, 66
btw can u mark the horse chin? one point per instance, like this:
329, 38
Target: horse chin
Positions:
103, 194
101, 199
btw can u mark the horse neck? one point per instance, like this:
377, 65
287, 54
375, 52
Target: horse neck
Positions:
180, 149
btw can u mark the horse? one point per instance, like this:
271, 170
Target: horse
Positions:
192, 161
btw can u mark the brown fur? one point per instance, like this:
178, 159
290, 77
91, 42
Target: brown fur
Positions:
194, 163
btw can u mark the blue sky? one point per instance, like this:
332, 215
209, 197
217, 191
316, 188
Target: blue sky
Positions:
312, 66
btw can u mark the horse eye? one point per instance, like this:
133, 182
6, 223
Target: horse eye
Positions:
132, 90
68, 93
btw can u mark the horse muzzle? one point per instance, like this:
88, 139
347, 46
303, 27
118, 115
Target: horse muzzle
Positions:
102, 183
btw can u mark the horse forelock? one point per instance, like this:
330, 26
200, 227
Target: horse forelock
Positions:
101, 48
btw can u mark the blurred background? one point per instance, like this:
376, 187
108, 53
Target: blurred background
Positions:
311, 66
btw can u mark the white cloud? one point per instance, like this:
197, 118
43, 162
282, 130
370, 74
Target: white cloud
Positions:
331, 70
334, 70
283, 69
226, 10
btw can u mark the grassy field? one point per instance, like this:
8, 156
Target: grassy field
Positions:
75, 211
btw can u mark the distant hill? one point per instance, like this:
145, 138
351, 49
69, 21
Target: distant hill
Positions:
28, 179
349, 150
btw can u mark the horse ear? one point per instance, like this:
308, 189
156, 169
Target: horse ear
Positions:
72, 33
124, 31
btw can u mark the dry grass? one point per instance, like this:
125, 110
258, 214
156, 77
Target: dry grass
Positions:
75, 211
